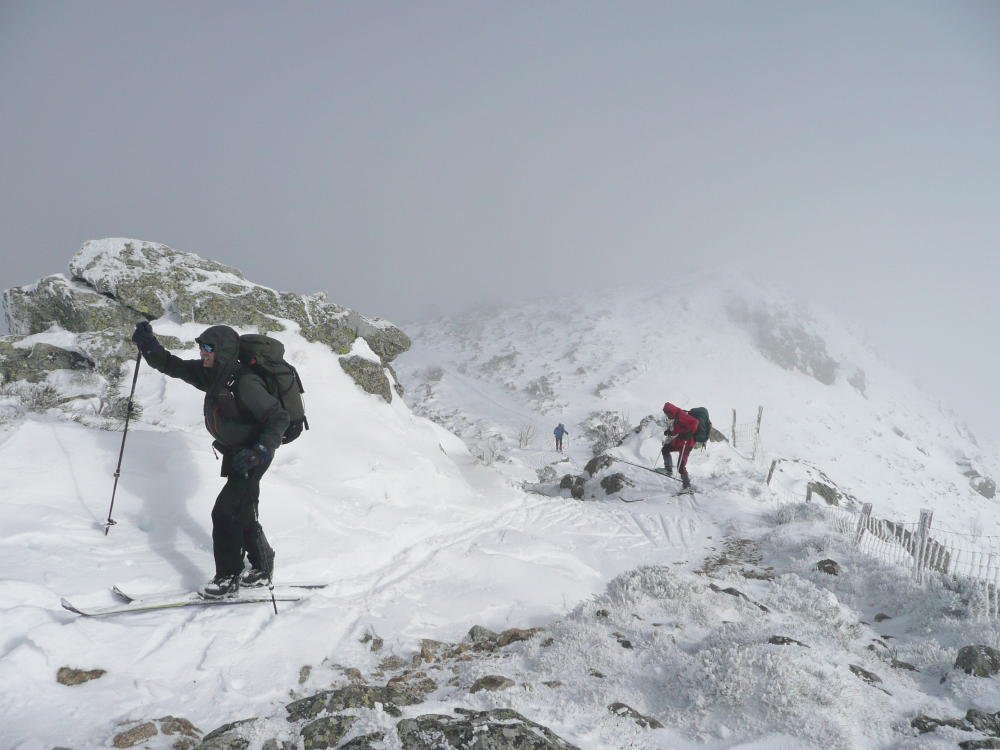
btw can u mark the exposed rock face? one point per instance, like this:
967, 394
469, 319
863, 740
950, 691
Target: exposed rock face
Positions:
35, 362
72, 305
785, 341
367, 374
154, 279
116, 282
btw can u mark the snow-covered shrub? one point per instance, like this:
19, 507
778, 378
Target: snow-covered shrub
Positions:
524, 436
606, 429
34, 397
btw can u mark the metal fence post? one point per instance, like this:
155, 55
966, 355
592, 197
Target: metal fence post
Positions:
863, 521
734, 428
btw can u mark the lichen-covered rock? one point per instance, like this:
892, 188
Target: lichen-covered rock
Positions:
34, 363
479, 634
171, 725
979, 660
372, 741
627, 712
512, 635
359, 696
228, 737
830, 567
326, 732
71, 305
70, 676
368, 375
498, 729
615, 483
597, 463
135, 735
154, 279
117, 282
491, 682
574, 484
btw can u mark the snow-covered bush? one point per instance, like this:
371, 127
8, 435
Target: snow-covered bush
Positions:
606, 429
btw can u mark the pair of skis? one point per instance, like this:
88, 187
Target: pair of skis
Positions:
682, 491
288, 592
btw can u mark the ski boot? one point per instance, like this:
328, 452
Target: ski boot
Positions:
222, 587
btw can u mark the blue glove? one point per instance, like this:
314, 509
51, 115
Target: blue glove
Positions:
246, 460
144, 339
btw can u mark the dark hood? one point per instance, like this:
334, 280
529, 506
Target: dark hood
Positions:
227, 350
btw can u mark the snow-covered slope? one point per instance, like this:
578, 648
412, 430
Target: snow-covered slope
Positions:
711, 340
420, 540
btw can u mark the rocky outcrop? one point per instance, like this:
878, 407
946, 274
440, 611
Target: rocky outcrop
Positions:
34, 362
116, 282
369, 375
489, 730
70, 305
784, 340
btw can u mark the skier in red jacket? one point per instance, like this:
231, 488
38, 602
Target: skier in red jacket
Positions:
681, 433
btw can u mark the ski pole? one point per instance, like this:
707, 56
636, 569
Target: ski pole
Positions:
121, 452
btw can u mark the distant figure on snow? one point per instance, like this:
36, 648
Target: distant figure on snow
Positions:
559, 431
247, 423
680, 434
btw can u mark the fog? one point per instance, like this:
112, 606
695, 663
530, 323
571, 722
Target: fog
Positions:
416, 158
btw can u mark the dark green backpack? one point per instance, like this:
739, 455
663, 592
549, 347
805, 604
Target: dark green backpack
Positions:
704, 424
266, 357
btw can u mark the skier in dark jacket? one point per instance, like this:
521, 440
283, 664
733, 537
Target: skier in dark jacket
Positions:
680, 440
247, 423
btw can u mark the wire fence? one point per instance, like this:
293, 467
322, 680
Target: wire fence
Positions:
970, 562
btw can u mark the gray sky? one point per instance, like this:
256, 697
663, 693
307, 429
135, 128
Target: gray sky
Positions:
413, 157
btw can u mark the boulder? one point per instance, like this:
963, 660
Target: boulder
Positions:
71, 305
497, 729
369, 375
979, 660
34, 363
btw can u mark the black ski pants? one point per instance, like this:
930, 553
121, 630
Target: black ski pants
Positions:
235, 528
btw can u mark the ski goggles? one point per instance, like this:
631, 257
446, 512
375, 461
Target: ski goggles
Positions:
206, 347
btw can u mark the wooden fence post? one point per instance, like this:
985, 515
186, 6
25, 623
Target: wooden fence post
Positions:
863, 521
809, 492
920, 552
756, 434
771, 471
734, 428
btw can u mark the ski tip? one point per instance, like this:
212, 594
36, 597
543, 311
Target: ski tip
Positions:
66, 605
121, 594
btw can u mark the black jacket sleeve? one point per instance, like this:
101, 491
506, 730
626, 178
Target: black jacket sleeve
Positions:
189, 370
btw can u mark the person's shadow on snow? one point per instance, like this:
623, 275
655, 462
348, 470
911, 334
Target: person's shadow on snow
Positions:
174, 501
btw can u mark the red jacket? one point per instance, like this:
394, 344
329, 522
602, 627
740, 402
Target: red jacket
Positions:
684, 427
